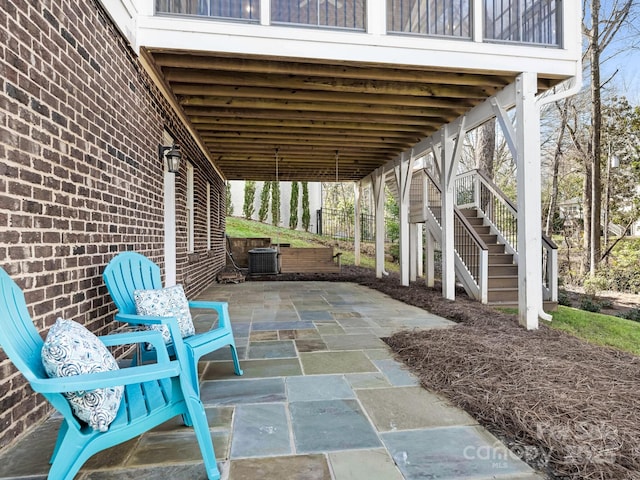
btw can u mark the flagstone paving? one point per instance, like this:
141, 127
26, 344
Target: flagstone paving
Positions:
321, 398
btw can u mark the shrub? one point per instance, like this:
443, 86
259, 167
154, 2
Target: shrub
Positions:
594, 284
590, 305
633, 314
563, 298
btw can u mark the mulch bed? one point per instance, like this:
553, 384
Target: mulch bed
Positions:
568, 408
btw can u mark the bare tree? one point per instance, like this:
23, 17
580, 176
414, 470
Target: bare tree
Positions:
563, 111
600, 28
486, 147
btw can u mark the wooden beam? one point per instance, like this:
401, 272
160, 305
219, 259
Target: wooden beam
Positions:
207, 122
236, 92
308, 106
306, 68
311, 115
336, 84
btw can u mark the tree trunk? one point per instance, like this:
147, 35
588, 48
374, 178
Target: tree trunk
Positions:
486, 147
586, 238
596, 120
553, 200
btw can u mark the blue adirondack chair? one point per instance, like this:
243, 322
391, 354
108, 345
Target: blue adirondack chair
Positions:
154, 393
130, 271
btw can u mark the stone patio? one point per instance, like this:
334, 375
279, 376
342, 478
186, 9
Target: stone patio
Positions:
321, 398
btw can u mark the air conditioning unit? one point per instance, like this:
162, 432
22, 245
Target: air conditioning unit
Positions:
263, 261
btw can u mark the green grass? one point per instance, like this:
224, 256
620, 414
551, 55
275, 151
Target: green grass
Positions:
598, 328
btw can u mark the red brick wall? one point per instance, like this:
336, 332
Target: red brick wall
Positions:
80, 122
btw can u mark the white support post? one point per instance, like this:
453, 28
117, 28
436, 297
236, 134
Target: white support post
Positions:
429, 271
448, 165
356, 225
376, 17
413, 252
377, 185
529, 210
478, 16
420, 249
170, 228
265, 12
403, 171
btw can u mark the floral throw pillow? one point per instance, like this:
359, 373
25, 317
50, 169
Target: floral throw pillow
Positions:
70, 349
166, 302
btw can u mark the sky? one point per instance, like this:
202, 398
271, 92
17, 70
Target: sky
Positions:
623, 55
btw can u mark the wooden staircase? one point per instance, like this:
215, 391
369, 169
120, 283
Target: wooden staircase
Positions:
502, 288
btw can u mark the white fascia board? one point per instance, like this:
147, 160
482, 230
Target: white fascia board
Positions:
320, 44
124, 14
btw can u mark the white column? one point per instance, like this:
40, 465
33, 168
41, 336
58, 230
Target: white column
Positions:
529, 210
478, 20
356, 227
378, 178
420, 249
429, 273
265, 12
170, 228
413, 252
403, 171
447, 244
376, 17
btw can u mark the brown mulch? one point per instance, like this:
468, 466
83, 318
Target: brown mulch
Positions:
568, 408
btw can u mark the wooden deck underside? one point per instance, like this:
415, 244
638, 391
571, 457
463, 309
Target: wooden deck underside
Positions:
317, 116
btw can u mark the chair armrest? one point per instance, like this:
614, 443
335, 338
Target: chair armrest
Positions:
221, 307
139, 319
91, 381
170, 322
142, 336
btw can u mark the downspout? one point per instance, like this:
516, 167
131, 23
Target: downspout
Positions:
545, 100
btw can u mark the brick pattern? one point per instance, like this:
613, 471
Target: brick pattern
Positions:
80, 122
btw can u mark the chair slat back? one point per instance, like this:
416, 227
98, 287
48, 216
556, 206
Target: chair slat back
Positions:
129, 271
18, 336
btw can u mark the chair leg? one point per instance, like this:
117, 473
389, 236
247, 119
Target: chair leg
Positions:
64, 427
201, 428
236, 362
69, 457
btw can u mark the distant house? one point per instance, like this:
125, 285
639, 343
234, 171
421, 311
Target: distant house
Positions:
315, 202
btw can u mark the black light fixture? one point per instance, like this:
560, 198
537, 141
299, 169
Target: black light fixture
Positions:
173, 156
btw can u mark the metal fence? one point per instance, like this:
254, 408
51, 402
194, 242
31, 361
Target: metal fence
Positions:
340, 224
349, 14
247, 10
523, 21
450, 18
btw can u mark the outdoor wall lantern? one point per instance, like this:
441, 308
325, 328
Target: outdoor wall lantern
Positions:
173, 156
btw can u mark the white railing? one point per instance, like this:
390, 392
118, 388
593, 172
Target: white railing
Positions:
471, 253
474, 189
536, 22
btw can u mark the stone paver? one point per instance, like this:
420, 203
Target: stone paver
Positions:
260, 431
452, 453
300, 467
364, 465
336, 362
321, 398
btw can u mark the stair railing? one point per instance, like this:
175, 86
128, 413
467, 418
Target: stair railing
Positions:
471, 253
475, 189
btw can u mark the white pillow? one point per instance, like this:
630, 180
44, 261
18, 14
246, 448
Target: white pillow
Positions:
70, 349
166, 302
